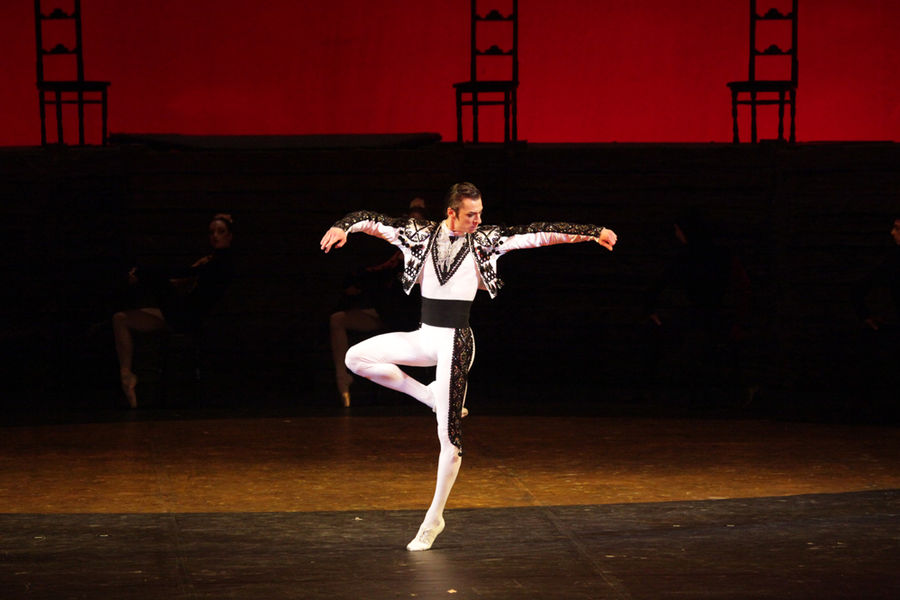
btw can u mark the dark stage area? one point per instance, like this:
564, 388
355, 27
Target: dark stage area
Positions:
808, 223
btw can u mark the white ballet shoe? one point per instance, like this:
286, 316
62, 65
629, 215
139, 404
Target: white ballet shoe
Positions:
425, 538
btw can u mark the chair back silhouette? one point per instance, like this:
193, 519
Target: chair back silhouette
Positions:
493, 69
64, 54
756, 91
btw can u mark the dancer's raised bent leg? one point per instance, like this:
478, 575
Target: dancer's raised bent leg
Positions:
377, 358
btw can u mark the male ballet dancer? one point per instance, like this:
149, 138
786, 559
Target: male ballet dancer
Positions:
450, 261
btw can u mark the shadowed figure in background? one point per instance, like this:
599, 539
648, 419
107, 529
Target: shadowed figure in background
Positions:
877, 303
885, 277
177, 298
373, 300
450, 261
704, 334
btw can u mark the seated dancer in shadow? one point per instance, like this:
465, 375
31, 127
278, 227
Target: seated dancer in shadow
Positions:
885, 277
373, 300
450, 261
176, 299
874, 355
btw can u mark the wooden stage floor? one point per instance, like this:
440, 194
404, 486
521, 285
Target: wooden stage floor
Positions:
168, 505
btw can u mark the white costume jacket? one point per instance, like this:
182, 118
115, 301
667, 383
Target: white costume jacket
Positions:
416, 239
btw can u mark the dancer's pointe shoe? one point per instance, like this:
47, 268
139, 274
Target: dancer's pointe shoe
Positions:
345, 399
129, 383
425, 538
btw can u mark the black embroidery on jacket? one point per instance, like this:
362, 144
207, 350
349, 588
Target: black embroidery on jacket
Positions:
544, 227
367, 215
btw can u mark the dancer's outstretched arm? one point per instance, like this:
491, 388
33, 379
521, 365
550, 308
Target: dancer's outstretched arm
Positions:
536, 235
371, 223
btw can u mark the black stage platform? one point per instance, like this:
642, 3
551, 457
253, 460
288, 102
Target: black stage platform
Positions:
810, 546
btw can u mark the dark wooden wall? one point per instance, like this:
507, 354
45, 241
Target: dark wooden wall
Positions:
808, 222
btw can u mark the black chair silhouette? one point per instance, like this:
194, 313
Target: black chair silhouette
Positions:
477, 92
73, 89
773, 91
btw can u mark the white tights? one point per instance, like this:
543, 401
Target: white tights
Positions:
377, 358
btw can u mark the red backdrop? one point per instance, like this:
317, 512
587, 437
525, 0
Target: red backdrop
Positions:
591, 70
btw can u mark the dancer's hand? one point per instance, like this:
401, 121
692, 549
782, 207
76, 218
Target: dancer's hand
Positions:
607, 238
201, 261
335, 236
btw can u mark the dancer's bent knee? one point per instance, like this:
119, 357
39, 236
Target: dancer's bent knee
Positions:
366, 366
356, 361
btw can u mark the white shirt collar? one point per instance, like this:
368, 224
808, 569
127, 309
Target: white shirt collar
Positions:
449, 231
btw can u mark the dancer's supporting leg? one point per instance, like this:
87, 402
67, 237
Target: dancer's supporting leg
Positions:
454, 361
449, 460
144, 320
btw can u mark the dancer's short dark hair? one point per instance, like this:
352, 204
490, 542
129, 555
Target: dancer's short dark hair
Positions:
460, 191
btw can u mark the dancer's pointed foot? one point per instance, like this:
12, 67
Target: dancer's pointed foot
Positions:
344, 381
129, 383
426, 536
433, 405
430, 402
463, 413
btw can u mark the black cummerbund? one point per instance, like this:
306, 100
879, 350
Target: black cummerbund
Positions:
445, 313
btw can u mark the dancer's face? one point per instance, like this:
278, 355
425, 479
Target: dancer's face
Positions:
895, 232
467, 218
219, 236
